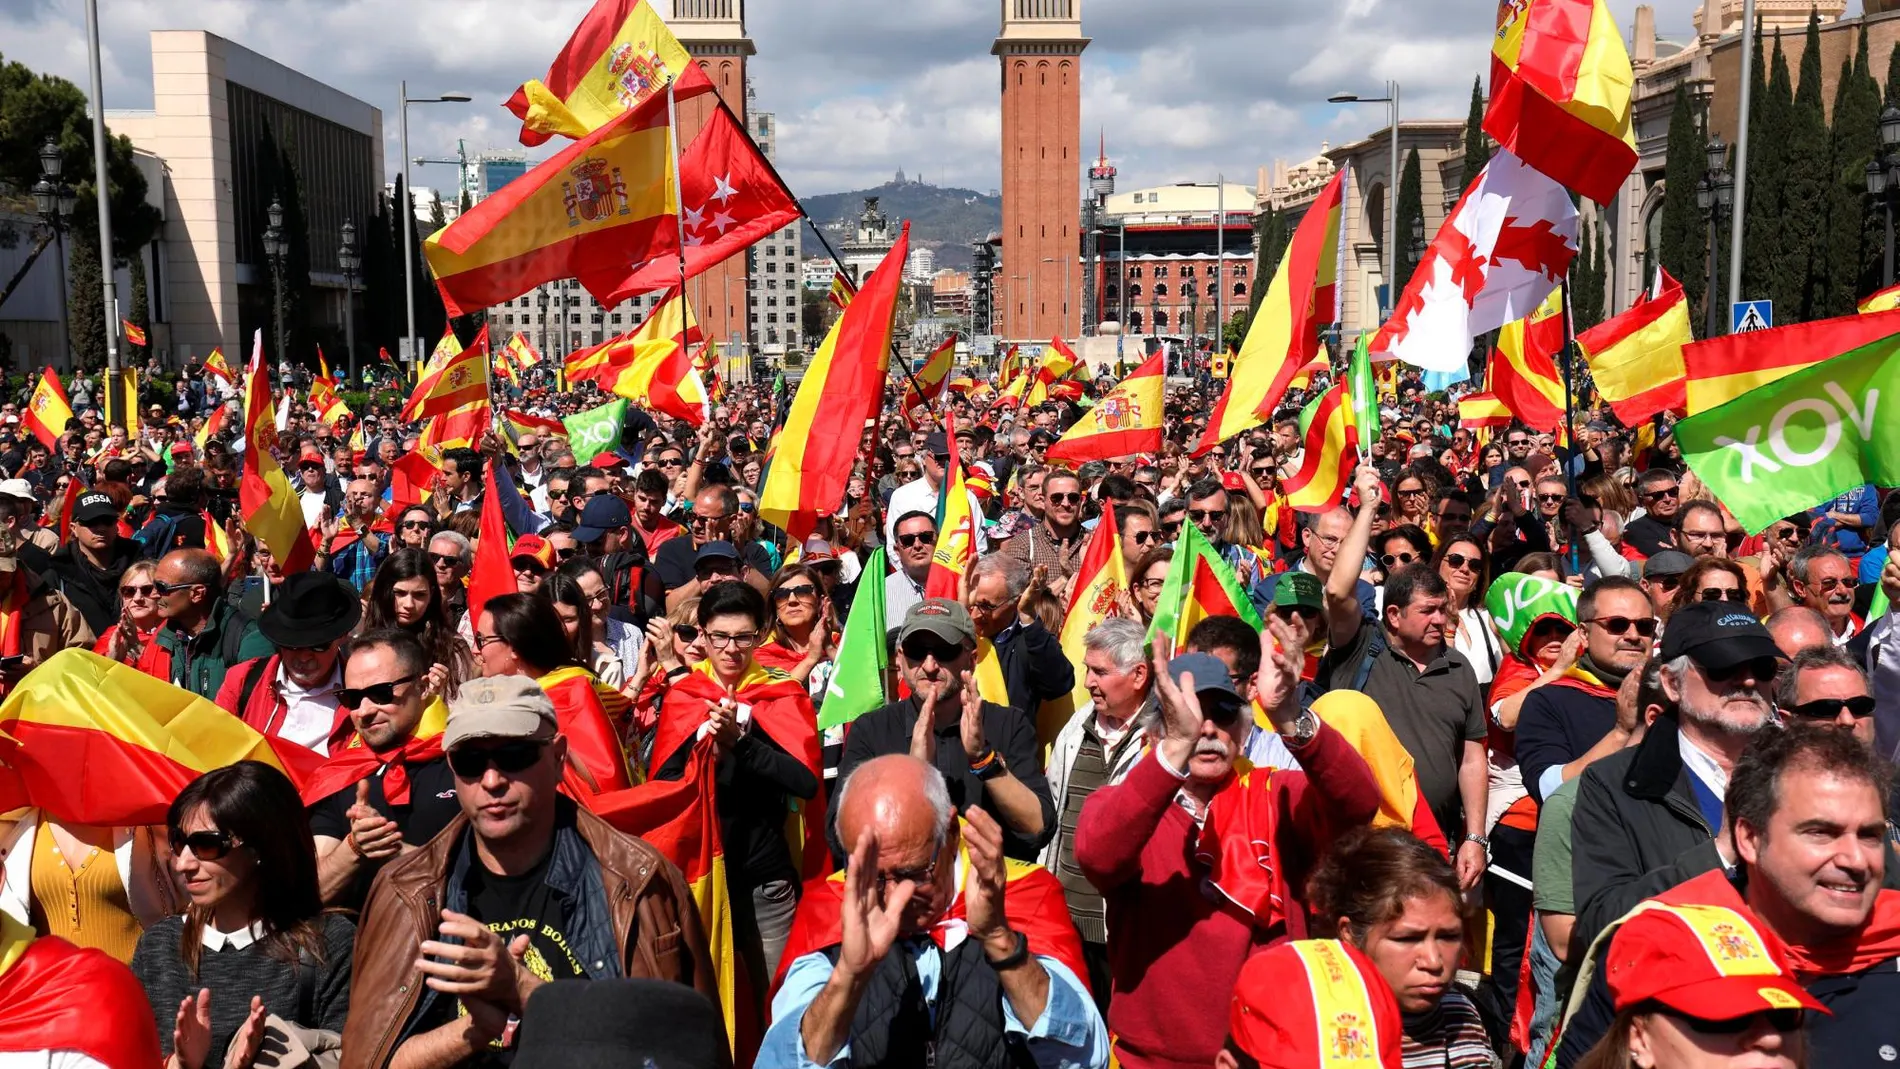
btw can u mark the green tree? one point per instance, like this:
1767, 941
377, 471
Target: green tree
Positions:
1477, 142
1803, 273
1411, 208
1271, 235
1853, 238
1683, 247
85, 304
1770, 113
380, 312
1235, 331
1892, 99
1586, 275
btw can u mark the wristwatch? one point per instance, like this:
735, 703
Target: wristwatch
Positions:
990, 767
1481, 841
1304, 728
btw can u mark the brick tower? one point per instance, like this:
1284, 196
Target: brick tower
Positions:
1040, 49
713, 31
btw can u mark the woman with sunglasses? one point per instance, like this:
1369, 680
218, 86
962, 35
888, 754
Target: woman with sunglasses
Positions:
139, 620
255, 941
1466, 568
765, 731
800, 639
674, 643
1710, 579
1412, 497
521, 635
414, 527
404, 595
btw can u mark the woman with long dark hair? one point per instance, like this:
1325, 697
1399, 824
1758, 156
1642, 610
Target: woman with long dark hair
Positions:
255, 941
414, 527
404, 595
521, 635
577, 622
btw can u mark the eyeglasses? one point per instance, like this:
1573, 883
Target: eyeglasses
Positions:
204, 845
1304, 612
696, 519
1517, 441
444, 560
1071, 498
917, 650
163, 587
671, 462
378, 693
482, 641
416, 525
567, 553
927, 538
719, 640
1394, 560
1521, 484
1142, 538
1460, 561
1416, 491
1783, 1021
323, 648
686, 632
1717, 594
1171, 530
1761, 668
803, 590
1551, 499
1832, 583
145, 591
919, 875
1154, 583
1658, 495
1205, 515
506, 759
526, 566
1551, 627
1859, 705
1620, 625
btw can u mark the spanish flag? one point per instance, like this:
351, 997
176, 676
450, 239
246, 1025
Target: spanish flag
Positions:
1635, 358
505, 367
1199, 585
1101, 580
1885, 301
525, 423
1720, 369
581, 709
453, 378
214, 422
82, 1004
215, 364
672, 320
1478, 410
813, 453
1056, 363
956, 529
1560, 93
326, 403
620, 56
93, 741
270, 507
1304, 378
1284, 334
931, 376
841, 291
523, 353
1127, 421
1523, 372
133, 333
1332, 451
661, 378
463, 427
48, 411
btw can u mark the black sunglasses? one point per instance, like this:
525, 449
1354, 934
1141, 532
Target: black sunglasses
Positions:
1783, 1021
1393, 560
917, 649
1828, 708
1071, 498
204, 845
686, 632
1304, 612
1203, 515
927, 538
1142, 538
507, 759
1459, 560
379, 693
787, 593
444, 560
170, 588
416, 525
1713, 594
1171, 529
1620, 625
1762, 669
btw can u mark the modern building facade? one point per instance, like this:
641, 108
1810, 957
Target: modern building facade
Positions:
1039, 49
223, 120
714, 32
772, 291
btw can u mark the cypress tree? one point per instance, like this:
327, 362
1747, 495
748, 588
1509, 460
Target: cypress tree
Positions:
1892, 99
1768, 122
1269, 245
1808, 187
298, 340
85, 308
1411, 209
1477, 143
1854, 139
1683, 250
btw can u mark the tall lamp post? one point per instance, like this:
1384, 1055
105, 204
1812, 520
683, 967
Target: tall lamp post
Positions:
1715, 194
1883, 179
409, 209
348, 258
1390, 98
55, 200
275, 249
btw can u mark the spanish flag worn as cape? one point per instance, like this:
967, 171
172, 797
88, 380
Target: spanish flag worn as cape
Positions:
57, 997
582, 717
774, 703
1033, 901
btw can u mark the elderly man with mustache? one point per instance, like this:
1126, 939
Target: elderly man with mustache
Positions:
1640, 809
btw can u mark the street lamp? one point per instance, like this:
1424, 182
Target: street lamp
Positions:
1715, 194
1418, 239
275, 249
541, 298
1883, 178
350, 261
1391, 98
55, 200
409, 209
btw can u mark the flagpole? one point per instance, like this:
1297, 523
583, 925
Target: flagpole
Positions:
1570, 418
679, 222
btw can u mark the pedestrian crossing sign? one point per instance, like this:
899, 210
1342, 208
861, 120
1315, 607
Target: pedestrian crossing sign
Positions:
1746, 316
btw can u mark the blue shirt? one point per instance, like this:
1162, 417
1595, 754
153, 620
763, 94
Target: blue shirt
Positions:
1069, 1034
1864, 502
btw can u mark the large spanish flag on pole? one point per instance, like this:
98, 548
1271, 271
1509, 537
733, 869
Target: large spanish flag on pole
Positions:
1127, 421
661, 378
270, 507
621, 55
672, 320
1523, 371
1284, 334
930, 378
93, 741
48, 411
1560, 93
1331, 453
955, 554
1635, 358
453, 378
813, 453
1100, 582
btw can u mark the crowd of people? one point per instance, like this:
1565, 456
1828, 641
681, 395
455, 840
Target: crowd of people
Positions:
1535, 756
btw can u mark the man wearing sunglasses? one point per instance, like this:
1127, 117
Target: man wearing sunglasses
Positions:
292, 694
987, 752
1056, 542
204, 634
1640, 808
87, 568
915, 542
1823, 580
387, 792
1659, 493
715, 512
523, 887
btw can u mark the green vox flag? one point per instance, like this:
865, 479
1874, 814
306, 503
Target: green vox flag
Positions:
1365, 394
1785, 447
857, 681
596, 430
1306, 413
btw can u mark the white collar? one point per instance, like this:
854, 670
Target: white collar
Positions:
291, 687
238, 940
1703, 766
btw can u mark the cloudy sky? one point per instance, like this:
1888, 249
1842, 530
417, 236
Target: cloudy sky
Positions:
1183, 89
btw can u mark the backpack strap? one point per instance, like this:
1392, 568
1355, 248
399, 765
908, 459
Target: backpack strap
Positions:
253, 675
1375, 648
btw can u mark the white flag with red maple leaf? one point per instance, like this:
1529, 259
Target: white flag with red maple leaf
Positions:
1506, 245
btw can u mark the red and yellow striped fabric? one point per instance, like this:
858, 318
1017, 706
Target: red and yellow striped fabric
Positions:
1332, 451
1635, 358
454, 378
1127, 421
1560, 93
590, 732
1056, 363
1523, 372
269, 505
48, 411
620, 55
957, 527
932, 376
1885, 301
1721, 369
93, 741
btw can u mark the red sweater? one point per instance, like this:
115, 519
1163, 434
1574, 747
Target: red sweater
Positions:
1175, 947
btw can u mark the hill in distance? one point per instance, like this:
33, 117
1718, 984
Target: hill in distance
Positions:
943, 219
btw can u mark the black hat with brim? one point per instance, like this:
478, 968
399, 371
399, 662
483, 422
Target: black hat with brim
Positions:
311, 609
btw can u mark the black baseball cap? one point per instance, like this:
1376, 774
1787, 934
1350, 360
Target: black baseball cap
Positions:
937, 445
94, 506
1717, 635
603, 513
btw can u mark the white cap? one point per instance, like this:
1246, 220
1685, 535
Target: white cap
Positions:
17, 488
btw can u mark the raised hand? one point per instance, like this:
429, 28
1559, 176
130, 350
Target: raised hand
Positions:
372, 835
983, 888
191, 1030
867, 926
434, 682
249, 1038
723, 718
970, 726
923, 733
660, 643
1277, 683
1180, 707
1366, 480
